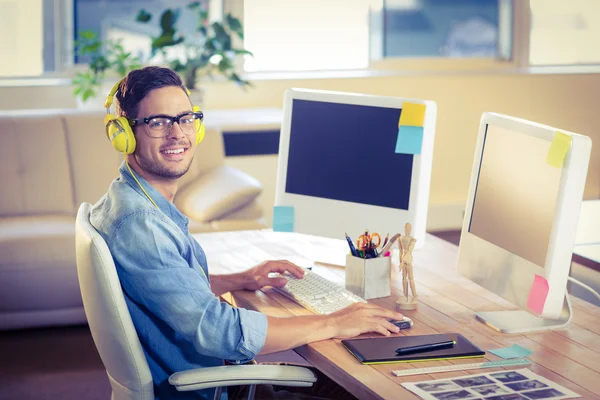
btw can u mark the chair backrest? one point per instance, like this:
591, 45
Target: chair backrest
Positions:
107, 314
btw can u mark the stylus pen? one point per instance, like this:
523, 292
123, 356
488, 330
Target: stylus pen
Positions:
426, 347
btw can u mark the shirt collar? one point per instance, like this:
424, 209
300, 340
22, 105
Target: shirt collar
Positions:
163, 204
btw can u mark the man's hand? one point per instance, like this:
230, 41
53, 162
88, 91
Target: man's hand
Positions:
258, 276
361, 318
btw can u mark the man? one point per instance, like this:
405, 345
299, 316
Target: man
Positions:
163, 271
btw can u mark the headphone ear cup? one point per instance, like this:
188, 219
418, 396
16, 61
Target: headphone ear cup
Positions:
120, 134
200, 130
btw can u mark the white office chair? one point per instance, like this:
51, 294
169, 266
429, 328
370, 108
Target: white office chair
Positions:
117, 341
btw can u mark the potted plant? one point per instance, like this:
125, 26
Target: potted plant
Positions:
106, 58
209, 51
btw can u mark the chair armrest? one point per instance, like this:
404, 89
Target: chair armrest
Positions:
217, 193
232, 375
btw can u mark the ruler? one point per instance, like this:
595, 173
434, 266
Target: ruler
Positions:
462, 367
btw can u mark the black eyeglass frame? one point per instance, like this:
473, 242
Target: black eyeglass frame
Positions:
146, 120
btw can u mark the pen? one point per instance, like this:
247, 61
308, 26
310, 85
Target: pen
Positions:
353, 250
425, 347
385, 240
389, 245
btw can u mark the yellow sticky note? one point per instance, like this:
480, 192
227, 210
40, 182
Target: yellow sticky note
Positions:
558, 149
412, 114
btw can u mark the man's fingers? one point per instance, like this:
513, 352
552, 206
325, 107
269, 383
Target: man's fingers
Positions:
390, 327
275, 282
282, 266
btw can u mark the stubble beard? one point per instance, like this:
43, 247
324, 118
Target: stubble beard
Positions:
161, 171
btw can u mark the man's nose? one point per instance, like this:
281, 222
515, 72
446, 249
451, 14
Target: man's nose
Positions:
175, 132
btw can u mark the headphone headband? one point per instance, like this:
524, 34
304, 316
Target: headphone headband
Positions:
111, 95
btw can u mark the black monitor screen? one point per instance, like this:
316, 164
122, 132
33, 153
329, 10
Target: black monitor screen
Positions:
347, 152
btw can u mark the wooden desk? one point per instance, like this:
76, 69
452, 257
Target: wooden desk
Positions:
447, 303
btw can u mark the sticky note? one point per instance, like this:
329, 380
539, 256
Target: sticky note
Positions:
412, 114
283, 219
537, 294
558, 149
514, 351
410, 140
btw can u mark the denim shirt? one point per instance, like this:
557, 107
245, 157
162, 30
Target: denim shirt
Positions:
163, 271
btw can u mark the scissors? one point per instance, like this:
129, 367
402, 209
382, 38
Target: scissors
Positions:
368, 241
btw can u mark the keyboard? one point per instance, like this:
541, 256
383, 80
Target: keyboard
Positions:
316, 293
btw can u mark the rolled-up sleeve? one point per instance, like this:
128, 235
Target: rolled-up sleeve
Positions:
154, 259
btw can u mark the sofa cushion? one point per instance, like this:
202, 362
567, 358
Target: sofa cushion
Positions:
34, 168
210, 153
37, 263
216, 193
94, 162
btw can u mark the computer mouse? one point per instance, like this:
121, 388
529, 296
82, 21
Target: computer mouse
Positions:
404, 323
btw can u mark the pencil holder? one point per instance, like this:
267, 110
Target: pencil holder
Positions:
368, 278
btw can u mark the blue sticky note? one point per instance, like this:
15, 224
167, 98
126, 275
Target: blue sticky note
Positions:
514, 351
283, 219
410, 140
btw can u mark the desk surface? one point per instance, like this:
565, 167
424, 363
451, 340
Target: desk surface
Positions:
447, 303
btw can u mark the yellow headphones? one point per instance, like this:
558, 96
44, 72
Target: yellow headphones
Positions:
118, 129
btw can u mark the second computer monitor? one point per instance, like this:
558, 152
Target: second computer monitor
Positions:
521, 219
350, 162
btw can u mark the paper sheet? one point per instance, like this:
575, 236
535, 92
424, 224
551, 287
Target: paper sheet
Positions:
503, 385
410, 140
283, 219
514, 351
231, 252
537, 294
558, 149
412, 114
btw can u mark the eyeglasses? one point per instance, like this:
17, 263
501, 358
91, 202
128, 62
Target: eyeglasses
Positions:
160, 125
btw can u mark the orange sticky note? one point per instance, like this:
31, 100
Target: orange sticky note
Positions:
412, 114
537, 294
558, 149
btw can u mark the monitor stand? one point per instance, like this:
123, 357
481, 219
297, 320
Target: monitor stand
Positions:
522, 321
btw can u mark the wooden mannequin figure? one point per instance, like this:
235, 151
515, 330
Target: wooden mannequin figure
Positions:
407, 245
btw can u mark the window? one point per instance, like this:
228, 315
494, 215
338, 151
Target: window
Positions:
441, 28
306, 35
564, 34
116, 19
348, 34
21, 30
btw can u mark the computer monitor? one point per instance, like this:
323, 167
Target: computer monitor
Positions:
350, 162
521, 219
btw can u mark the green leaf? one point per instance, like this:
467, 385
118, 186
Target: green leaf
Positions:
242, 51
233, 23
219, 29
168, 20
143, 16
225, 64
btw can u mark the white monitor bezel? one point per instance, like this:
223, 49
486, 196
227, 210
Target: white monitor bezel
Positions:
310, 212
477, 257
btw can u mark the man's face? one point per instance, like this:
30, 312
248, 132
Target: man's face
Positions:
166, 157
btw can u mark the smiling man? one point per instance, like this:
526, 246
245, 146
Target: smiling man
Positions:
172, 298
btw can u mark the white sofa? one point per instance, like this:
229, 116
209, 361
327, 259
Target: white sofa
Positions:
53, 160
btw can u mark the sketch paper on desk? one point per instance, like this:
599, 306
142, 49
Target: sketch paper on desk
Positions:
501, 385
232, 252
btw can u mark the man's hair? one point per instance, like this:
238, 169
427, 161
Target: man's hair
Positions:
138, 83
